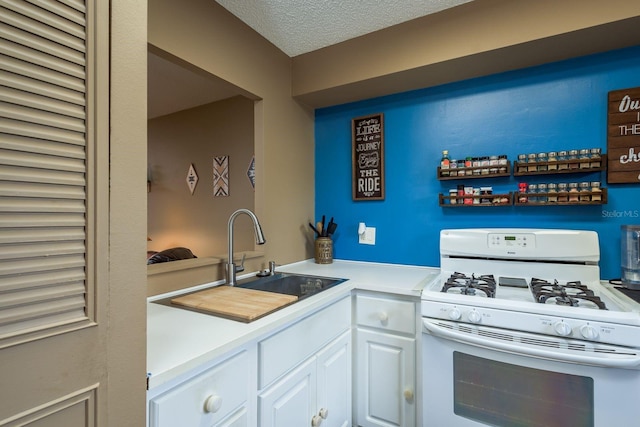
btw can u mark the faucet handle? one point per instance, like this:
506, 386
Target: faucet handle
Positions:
240, 267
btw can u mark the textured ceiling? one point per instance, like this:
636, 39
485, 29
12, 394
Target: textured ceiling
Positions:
301, 26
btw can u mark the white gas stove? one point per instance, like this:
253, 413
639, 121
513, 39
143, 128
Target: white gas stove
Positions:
519, 331
535, 280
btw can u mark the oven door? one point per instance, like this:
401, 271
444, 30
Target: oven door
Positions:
475, 379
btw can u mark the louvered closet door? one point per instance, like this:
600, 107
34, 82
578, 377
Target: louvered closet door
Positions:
50, 151
43, 166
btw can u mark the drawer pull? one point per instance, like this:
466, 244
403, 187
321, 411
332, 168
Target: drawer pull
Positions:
383, 317
408, 395
316, 421
324, 413
213, 404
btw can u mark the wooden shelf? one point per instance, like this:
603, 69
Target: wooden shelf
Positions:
445, 201
602, 194
475, 168
576, 164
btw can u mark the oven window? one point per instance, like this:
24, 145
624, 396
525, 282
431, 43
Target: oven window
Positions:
505, 395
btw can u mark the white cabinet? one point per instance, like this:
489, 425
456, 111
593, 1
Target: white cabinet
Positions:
304, 371
317, 392
386, 375
216, 397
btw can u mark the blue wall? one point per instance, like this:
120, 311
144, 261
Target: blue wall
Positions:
553, 107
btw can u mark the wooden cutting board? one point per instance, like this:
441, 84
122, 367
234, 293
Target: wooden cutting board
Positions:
235, 303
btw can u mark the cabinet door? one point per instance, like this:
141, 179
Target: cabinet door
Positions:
238, 419
386, 378
292, 400
334, 382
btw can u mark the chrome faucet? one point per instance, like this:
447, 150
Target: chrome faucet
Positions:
231, 268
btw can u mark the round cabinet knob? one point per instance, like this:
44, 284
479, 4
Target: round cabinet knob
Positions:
454, 314
383, 317
562, 329
474, 316
324, 413
589, 332
408, 395
316, 421
212, 404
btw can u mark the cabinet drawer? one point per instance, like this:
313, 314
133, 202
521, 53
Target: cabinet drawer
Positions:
205, 399
386, 314
283, 351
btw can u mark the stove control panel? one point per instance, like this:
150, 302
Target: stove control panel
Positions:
512, 240
550, 325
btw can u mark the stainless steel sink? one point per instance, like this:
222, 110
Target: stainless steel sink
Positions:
300, 285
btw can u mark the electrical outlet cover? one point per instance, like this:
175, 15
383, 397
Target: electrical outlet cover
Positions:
368, 237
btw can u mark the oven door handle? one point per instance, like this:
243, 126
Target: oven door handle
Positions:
604, 360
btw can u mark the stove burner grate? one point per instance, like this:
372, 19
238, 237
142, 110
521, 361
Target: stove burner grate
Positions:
573, 294
483, 285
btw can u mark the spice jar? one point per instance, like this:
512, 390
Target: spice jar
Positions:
563, 194
502, 163
452, 196
533, 189
531, 163
542, 162
552, 158
572, 157
596, 191
596, 159
476, 193
584, 159
553, 193
486, 191
453, 167
562, 160
574, 195
468, 193
468, 162
522, 192
522, 162
585, 192
542, 191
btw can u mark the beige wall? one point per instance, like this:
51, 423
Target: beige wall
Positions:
475, 39
196, 136
204, 34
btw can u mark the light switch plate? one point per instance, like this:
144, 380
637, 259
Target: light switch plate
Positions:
368, 237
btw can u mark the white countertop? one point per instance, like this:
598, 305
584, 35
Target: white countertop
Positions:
180, 340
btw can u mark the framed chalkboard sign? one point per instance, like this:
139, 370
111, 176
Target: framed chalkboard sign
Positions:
623, 136
368, 157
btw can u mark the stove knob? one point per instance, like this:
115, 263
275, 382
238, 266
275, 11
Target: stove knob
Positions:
562, 329
454, 314
474, 316
589, 332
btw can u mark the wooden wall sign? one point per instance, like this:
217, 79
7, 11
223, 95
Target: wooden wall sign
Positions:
623, 136
368, 157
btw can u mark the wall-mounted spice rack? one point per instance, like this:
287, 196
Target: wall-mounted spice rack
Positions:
475, 172
581, 198
473, 200
560, 167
